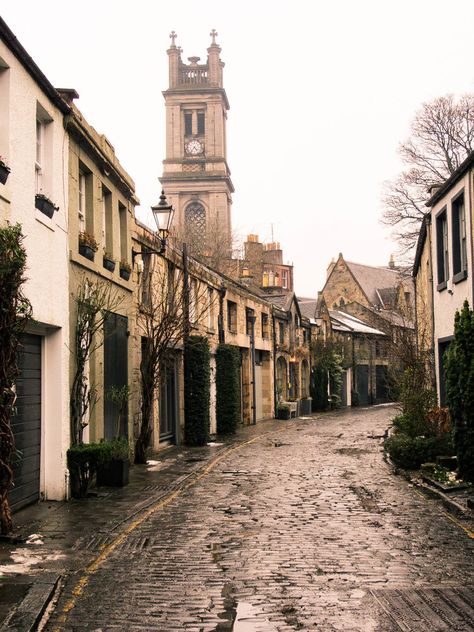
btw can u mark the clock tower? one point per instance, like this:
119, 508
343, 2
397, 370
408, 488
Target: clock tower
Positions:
196, 177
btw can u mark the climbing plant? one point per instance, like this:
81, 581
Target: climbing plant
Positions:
196, 390
227, 389
460, 390
93, 301
15, 310
327, 371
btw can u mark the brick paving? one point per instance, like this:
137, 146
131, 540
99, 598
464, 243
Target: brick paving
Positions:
306, 529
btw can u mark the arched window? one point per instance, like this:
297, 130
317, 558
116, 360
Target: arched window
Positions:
281, 379
195, 227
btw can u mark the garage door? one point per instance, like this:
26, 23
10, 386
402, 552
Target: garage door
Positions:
26, 425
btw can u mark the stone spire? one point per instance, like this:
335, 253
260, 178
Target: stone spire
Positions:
174, 56
215, 65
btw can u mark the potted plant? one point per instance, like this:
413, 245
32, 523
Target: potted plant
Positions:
108, 261
45, 205
113, 468
125, 270
283, 411
4, 171
87, 245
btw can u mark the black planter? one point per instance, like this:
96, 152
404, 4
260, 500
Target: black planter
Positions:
4, 171
283, 413
86, 251
124, 274
305, 405
114, 474
45, 206
109, 264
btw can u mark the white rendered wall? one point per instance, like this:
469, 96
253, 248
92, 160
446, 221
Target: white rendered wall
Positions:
47, 250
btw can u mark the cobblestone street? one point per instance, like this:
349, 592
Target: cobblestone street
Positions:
303, 529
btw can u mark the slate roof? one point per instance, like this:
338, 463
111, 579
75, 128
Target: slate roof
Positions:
308, 306
340, 321
372, 278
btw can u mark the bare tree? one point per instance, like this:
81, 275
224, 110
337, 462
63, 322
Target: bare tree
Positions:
170, 302
93, 301
212, 246
442, 136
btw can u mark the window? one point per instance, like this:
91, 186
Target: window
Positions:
195, 227
265, 326
248, 320
123, 232
284, 278
458, 215
188, 123
82, 202
85, 212
193, 301
210, 309
44, 151
107, 236
201, 123
281, 332
442, 249
232, 316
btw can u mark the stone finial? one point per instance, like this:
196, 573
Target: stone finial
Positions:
213, 34
173, 37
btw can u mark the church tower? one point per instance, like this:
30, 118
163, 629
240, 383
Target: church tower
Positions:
196, 177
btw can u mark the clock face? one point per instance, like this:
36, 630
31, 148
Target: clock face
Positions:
194, 147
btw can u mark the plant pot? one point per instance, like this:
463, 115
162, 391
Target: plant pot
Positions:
124, 274
283, 413
45, 206
109, 264
4, 171
86, 251
305, 405
114, 474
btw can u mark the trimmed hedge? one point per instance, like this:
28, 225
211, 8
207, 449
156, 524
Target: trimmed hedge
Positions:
410, 452
197, 380
227, 389
82, 462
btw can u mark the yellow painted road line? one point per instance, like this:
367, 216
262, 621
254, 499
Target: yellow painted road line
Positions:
108, 549
449, 516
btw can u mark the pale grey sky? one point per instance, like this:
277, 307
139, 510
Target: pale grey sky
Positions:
321, 93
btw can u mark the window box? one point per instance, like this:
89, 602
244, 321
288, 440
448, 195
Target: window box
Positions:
108, 262
124, 270
45, 205
87, 245
4, 171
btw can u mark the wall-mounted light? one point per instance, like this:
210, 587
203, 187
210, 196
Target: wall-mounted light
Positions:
163, 214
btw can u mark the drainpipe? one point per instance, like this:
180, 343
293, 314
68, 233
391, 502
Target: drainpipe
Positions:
185, 292
251, 318
275, 394
220, 318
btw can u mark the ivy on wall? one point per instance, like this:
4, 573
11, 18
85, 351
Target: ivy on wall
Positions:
196, 390
227, 389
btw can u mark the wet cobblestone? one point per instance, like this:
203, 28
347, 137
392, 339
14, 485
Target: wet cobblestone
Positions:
306, 529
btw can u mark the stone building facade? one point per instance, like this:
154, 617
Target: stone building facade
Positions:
101, 205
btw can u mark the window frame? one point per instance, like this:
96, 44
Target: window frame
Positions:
459, 237
442, 249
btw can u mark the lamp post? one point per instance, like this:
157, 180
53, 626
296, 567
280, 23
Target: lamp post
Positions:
163, 215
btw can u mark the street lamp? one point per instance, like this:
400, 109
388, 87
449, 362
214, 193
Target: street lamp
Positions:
163, 214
